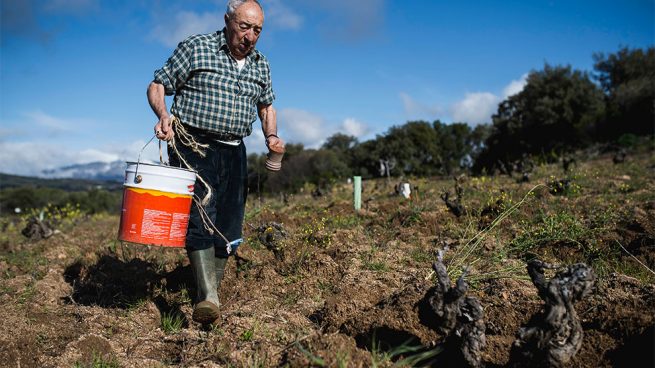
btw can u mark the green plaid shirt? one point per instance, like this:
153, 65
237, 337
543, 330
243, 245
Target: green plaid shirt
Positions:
210, 92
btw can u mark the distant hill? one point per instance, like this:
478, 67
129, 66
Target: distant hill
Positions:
105, 171
67, 184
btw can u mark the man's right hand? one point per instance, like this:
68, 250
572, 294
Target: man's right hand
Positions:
156, 94
164, 128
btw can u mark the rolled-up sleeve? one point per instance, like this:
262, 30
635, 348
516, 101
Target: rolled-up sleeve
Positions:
176, 69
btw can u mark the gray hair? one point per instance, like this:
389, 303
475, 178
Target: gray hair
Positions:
232, 5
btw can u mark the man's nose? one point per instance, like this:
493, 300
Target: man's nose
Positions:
250, 35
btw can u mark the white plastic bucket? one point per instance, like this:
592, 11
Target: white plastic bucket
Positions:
156, 204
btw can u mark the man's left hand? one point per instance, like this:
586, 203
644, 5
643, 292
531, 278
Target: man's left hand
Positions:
274, 141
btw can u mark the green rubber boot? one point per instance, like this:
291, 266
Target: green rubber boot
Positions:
204, 272
219, 263
220, 270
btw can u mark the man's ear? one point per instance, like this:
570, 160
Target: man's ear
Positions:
226, 18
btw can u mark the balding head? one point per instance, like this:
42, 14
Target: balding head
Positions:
243, 21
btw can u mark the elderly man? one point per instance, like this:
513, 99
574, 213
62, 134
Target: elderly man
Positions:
221, 84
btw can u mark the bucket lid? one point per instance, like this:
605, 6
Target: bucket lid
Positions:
159, 177
158, 166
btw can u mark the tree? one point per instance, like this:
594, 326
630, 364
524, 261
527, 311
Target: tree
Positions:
296, 171
628, 80
292, 176
328, 167
340, 142
413, 146
556, 111
454, 143
257, 173
365, 158
292, 149
478, 137
342, 145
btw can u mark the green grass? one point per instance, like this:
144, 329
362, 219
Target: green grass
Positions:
4, 289
291, 298
341, 221
132, 305
467, 254
342, 359
99, 361
584, 231
407, 217
248, 334
27, 294
316, 233
314, 360
377, 266
369, 261
420, 255
404, 355
632, 266
560, 227
27, 261
171, 323
326, 286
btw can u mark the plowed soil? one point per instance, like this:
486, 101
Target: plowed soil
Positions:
346, 288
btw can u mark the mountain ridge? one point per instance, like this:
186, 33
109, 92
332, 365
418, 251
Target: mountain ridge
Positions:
98, 170
74, 177
67, 184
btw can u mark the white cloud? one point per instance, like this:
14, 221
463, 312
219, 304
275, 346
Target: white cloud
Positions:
94, 155
415, 110
299, 126
353, 127
5, 133
31, 158
281, 16
49, 122
475, 108
515, 86
185, 24
37, 124
147, 149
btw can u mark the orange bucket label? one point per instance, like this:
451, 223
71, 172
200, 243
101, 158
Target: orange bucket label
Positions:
154, 217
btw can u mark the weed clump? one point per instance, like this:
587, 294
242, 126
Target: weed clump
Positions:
272, 236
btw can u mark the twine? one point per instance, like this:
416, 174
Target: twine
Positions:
186, 139
199, 148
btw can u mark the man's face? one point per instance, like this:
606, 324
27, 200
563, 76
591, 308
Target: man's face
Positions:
243, 29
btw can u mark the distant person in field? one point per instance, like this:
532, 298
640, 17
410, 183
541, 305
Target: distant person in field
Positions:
221, 84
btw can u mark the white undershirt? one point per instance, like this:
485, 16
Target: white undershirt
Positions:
241, 63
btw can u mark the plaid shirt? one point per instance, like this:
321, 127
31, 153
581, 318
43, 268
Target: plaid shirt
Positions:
210, 92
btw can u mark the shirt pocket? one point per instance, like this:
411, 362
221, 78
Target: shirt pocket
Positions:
252, 85
212, 82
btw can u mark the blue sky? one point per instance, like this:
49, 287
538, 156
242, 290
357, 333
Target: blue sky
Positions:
73, 73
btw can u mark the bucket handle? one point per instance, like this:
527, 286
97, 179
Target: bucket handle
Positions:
137, 177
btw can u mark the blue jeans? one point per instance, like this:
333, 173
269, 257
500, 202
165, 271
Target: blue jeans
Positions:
225, 169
